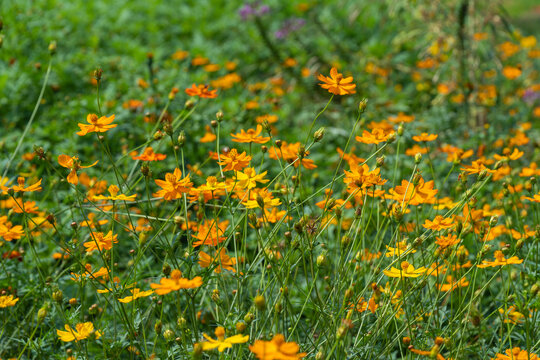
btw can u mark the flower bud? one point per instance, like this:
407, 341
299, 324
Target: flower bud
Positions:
52, 47
319, 134
260, 302
417, 158
158, 135
181, 322
158, 326
98, 73
400, 130
322, 260
42, 312
168, 335
58, 296
189, 104
380, 161
363, 105
219, 116
249, 318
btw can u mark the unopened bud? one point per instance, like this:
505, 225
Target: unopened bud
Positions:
181, 138
363, 105
219, 116
319, 134
417, 158
52, 47
260, 302
168, 335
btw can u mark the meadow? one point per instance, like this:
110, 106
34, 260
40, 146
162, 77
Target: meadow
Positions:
269, 180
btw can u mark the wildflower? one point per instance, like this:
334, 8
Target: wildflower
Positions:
222, 343
199, 61
425, 137
149, 155
91, 223
101, 124
447, 241
20, 187
113, 190
234, 161
511, 72
289, 152
100, 241
439, 223
180, 55
360, 177
201, 91
261, 199
452, 285
535, 198
81, 332
516, 354
221, 259
226, 81
401, 247
135, 294
516, 154
276, 349
210, 233
209, 136
176, 282
248, 178
376, 136
422, 193
401, 118
8, 232
337, 84
500, 260
173, 186
73, 163
7, 301
407, 270
512, 316
250, 136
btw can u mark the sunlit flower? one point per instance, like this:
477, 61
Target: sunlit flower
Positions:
211, 233
248, 179
221, 259
401, 247
407, 270
376, 136
262, 198
425, 137
135, 294
21, 187
516, 354
7, 301
221, 342
176, 282
337, 84
511, 72
149, 155
97, 124
250, 136
201, 91
209, 136
452, 285
234, 161
439, 223
500, 260
8, 232
289, 152
276, 348
447, 241
81, 332
113, 191
99, 241
173, 186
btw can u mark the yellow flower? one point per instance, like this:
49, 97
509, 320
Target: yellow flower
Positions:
407, 270
222, 260
7, 300
249, 178
81, 331
500, 260
401, 247
135, 294
222, 343
113, 190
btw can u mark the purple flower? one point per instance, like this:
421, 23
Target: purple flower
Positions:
289, 26
530, 96
253, 9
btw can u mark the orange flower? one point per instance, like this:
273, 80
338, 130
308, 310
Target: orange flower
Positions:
113, 190
176, 282
516, 354
210, 233
149, 155
500, 260
9, 232
248, 179
511, 72
221, 259
173, 186
7, 301
261, 198
100, 242
276, 348
20, 187
337, 84
447, 241
376, 136
209, 136
99, 125
73, 163
289, 153
234, 161
201, 91
425, 137
422, 193
476, 167
439, 223
250, 136
535, 198
452, 285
